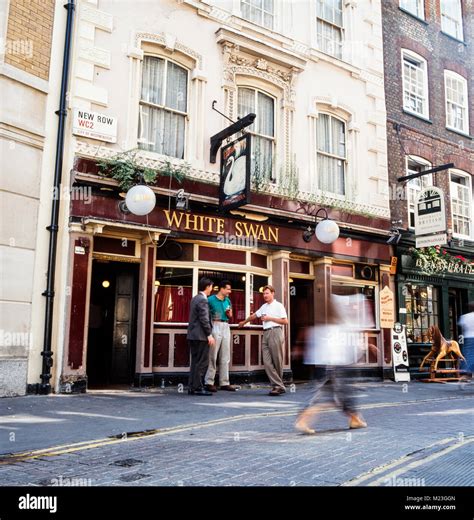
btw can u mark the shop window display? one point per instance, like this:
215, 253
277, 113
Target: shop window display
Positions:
421, 302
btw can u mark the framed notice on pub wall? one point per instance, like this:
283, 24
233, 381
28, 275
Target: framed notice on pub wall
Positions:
235, 173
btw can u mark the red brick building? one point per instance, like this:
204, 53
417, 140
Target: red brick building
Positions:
429, 58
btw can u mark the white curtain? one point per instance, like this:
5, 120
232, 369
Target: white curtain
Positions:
250, 100
160, 129
331, 140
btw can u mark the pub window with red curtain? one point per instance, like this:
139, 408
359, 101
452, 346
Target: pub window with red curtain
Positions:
173, 292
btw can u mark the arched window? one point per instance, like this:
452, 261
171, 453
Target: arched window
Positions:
331, 154
163, 107
262, 130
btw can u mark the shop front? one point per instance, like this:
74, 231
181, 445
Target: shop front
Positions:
133, 277
432, 292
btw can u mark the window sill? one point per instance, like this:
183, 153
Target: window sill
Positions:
450, 36
418, 116
416, 17
459, 132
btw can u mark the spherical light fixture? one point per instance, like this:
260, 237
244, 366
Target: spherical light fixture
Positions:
140, 200
327, 231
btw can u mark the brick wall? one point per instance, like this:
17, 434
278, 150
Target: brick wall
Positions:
427, 139
29, 34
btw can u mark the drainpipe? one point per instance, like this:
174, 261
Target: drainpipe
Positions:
45, 386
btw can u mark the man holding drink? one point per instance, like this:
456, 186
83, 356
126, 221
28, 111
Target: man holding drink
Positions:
220, 309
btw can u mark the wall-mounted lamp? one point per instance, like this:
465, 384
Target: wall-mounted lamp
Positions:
139, 200
105, 284
326, 231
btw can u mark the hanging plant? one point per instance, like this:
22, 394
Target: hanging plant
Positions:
125, 169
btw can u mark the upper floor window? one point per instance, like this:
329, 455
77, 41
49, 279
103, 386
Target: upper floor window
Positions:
456, 102
451, 18
163, 107
260, 12
262, 129
414, 186
331, 154
330, 27
461, 204
415, 83
414, 7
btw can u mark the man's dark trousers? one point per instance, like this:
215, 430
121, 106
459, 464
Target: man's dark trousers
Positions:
199, 363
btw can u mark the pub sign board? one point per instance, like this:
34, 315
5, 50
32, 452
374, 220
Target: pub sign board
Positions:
430, 212
235, 174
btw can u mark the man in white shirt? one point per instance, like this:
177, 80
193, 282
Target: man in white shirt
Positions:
274, 316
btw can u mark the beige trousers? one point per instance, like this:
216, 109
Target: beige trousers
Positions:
273, 350
221, 351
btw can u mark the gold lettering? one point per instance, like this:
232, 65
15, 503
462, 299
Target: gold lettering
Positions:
210, 221
220, 226
261, 233
273, 234
238, 229
173, 221
190, 217
201, 223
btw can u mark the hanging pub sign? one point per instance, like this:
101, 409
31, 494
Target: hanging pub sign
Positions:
430, 213
400, 353
235, 174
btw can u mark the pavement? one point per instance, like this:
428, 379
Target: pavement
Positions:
418, 435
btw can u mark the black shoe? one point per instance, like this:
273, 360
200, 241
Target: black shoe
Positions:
199, 392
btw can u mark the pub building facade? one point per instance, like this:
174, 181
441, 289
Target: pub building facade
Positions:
133, 277
146, 81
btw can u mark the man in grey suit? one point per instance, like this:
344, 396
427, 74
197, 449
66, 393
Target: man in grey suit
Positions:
199, 338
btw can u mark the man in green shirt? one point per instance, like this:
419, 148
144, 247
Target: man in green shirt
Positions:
220, 309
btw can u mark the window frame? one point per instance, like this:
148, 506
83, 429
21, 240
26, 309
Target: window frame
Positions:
410, 183
332, 25
273, 138
457, 77
465, 175
420, 6
141, 102
262, 11
330, 155
458, 21
412, 56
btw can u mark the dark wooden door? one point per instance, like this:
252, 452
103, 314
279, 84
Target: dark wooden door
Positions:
124, 327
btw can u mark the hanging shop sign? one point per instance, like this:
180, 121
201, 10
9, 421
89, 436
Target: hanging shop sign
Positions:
235, 174
430, 213
400, 353
387, 308
439, 239
94, 125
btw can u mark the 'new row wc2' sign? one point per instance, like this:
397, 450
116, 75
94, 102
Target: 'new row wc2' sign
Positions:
94, 125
